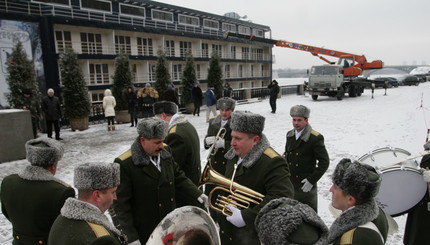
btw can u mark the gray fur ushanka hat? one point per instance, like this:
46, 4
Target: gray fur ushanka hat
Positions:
96, 176
287, 221
226, 103
152, 128
357, 179
167, 107
247, 122
43, 151
300, 111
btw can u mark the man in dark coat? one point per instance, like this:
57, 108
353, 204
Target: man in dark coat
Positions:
52, 109
132, 106
227, 91
32, 199
82, 220
170, 94
361, 222
273, 92
306, 156
197, 95
222, 145
150, 181
253, 164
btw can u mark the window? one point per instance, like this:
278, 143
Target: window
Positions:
233, 52
169, 49
99, 5
134, 72
244, 30
126, 9
256, 53
97, 96
229, 27
184, 47
188, 20
176, 72
245, 53
211, 24
240, 73
252, 70
99, 74
144, 46
122, 43
64, 40
258, 33
91, 43
62, 2
217, 48
151, 71
262, 70
198, 73
162, 15
227, 71
205, 50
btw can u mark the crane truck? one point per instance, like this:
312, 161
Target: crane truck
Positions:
332, 79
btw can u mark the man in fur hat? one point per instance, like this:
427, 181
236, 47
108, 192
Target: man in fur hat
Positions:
306, 155
354, 188
182, 139
273, 91
150, 182
222, 145
82, 219
287, 221
32, 199
252, 163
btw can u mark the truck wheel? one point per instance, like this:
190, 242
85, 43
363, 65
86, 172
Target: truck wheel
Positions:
359, 92
340, 94
314, 97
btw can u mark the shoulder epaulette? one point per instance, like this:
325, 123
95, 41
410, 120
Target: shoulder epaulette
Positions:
315, 132
61, 182
172, 130
346, 238
125, 155
270, 153
99, 230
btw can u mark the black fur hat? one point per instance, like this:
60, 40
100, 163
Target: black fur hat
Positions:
96, 176
43, 151
357, 179
152, 128
226, 103
167, 107
287, 221
247, 122
300, 111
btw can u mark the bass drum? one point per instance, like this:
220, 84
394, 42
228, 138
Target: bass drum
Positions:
402, 185
185, 225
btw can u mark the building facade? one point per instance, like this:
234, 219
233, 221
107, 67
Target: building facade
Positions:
98, 29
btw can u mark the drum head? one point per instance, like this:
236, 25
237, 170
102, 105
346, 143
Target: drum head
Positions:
384, 156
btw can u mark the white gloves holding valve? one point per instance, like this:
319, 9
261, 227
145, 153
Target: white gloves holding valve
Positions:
203, 199
220, 143
236, 218
307, 186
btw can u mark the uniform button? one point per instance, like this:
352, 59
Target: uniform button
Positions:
159, 205
297, 176
231, 239
297, 154
17, 237
171, 199
223, 163
40, 242
215, 162
297, 165
222, 232
289, 163
171, 183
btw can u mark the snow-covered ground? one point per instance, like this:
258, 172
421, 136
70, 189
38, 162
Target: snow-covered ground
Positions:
351, 127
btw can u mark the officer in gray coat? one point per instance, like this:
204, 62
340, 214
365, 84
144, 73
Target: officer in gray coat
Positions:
32, 199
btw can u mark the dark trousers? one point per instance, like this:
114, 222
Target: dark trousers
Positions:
110, 120
310, 198
272, 102
133, 117
197, 104
49, 124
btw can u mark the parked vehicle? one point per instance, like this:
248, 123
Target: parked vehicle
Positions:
391, 82
411, 80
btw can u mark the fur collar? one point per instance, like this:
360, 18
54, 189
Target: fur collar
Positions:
178, 120
37, 173
79, 210
305, 134
252, 157
139, 156
352, 218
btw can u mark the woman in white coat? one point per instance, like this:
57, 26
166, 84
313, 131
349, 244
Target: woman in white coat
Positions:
109, 104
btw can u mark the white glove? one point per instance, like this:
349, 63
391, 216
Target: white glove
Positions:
203, 199
426, 175
210, 140
236, 218
137, 242
307, 186
220, 143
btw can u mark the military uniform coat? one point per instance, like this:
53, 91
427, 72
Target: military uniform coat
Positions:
264, 171
31, 200
308, 159
146, 196
84, 224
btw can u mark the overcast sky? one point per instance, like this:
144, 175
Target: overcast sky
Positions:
394, 31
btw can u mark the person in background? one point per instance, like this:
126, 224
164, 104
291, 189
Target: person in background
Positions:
197, 95
52, 109
170, 94
210, 102
147, 96
252, 163
287, 221
361, 222
306, 156
227, 91
28, 103
273, 92
132, 106
31, 200
150, 182
109, 104
82, 219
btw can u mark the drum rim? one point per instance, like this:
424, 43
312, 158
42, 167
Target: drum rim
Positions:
382, 150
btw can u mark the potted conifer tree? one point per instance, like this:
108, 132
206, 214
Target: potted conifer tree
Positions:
122, 79
188, 78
